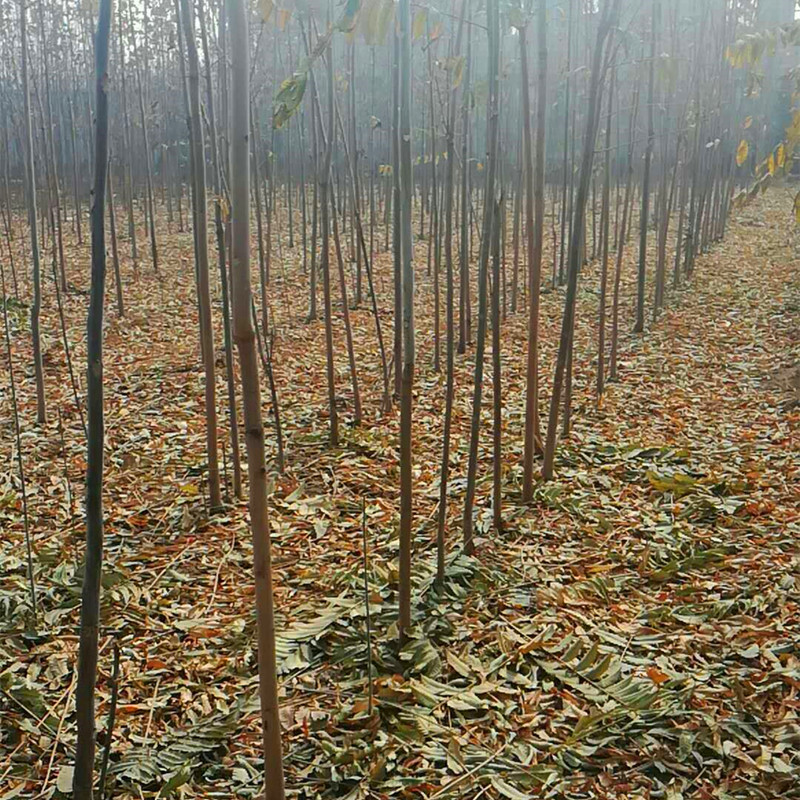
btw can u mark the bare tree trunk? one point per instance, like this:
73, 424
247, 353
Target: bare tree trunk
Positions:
50, 148
251, 392
648, 157
398, 276
75, 189
112, 221
623, 236
233, 423
433, 241
126, 134
90, 597
465, 315
605, 224
534, 224
147, 152
492, 136
608, 17
30, 180
325, 259
448, 257
407, 273
201, 255
497, 397
565, 182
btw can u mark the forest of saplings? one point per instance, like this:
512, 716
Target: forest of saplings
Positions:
399, 399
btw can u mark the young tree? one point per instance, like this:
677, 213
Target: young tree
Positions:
492, 138
200, 228
608, 17
325, 258
90, 597
244, 334
407, 273
449, 190
648, 158
605, 223
534, 226
30, 191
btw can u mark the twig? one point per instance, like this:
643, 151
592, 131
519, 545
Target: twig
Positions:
171, 563
152, 709
219, 570
58, 736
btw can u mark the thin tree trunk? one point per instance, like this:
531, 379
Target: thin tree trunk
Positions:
407, 273
449, 311
75, 189
497, 397
251, 391
30, 179
325, 205
90, 597
201, 255
126, 134
606, 230
492, 135
233, 422
534, 225
112, 221
609, 15
398, 279
464, 314
50, 148
648, 158
623, 237
147, 152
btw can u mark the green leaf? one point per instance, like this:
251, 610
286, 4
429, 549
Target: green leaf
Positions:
506, 790
289, 97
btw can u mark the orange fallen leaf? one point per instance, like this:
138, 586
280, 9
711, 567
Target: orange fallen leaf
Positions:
656, 675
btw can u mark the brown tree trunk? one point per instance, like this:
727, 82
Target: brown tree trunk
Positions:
244, 335
201, 254
90, 595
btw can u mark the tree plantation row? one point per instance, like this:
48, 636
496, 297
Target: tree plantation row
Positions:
413, 180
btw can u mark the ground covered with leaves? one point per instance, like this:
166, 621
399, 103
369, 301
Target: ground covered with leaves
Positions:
632, 633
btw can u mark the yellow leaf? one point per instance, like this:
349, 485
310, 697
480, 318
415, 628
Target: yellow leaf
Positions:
480, 166
284, 15
748, 122
456, 66
265, 8
781, 156
797, 208
420, 18
771, 164
741, 152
